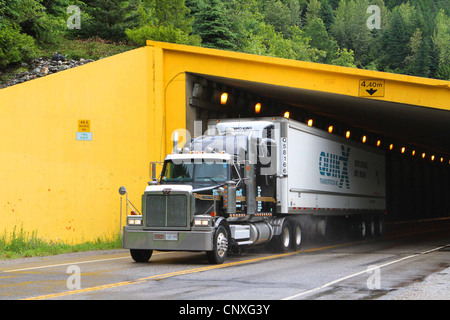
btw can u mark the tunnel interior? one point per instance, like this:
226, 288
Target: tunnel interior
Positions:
416, 139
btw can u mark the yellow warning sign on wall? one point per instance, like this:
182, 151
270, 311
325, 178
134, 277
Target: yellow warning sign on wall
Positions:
84, 125
371, 88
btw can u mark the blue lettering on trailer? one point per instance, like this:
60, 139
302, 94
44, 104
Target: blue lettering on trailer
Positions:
335, 166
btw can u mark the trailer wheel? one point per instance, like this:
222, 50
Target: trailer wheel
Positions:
297, 240
379, 227
362, 228
371, 227
141, 255
220, 246
283, 241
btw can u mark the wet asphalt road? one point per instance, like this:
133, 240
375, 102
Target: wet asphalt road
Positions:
410, 262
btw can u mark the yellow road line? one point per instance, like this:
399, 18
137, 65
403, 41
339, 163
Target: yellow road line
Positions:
183, 272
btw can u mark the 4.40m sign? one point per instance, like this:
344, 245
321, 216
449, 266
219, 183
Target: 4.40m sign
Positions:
371, 88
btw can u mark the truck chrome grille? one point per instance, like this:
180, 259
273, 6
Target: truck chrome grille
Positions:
166, 211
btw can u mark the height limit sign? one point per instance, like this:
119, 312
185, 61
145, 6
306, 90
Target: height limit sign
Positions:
371, 88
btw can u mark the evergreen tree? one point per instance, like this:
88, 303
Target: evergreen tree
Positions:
441, 43
164, 20
108, 19
320, 39
213, 26
350, 30
396, 40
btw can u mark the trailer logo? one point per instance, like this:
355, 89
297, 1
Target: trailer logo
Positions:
335, 166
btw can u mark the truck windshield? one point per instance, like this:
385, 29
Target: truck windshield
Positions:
215, 172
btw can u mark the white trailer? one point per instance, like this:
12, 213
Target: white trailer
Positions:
258, 181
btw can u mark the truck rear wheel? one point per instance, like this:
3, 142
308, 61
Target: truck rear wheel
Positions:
379, 227
141, 255
297, 236
220, 246
362, 228
283, 241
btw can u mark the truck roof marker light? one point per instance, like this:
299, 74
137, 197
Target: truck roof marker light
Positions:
223, 98
330, 129
310, 122
258, 107
286, 114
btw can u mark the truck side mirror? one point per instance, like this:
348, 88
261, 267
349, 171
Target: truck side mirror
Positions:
230, 200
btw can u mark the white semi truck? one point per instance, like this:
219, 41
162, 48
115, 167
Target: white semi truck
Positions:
258, 181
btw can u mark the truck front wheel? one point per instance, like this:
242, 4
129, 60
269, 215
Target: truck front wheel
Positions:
220, 246
141, 255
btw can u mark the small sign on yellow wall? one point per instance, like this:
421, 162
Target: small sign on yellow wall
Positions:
84, 130
84, 125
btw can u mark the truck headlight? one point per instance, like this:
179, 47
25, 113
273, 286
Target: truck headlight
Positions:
201, 222
134, 222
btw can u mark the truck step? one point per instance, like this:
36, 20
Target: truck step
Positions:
244, 243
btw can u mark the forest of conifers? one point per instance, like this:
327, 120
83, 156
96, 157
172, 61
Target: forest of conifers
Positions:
407, 37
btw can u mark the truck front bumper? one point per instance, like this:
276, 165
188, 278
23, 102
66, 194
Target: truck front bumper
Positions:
138, 238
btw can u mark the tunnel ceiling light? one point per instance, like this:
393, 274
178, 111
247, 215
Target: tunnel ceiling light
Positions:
287, 114
442, 159
432, 157
403, 149
378, 143
310, 122
391, 146
330, 129
364, 139
223, 98
258, 107
413, 153
423, 155
347, 134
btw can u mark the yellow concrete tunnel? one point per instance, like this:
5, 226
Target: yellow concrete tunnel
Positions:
71, 139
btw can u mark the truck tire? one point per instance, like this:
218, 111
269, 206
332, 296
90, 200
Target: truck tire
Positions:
379, 230
297, 240
141, 255
370, 227
362, 229
220, 246
283, 241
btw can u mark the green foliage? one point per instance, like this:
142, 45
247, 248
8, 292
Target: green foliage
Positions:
414, 37
161, 33
107, 19
214, 27
20, 244
167, 21
14, 45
